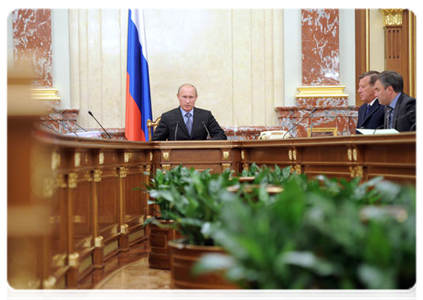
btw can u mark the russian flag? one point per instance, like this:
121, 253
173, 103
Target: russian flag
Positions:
138, 98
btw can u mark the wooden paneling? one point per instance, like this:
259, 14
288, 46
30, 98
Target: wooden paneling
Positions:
88, 211
361, 47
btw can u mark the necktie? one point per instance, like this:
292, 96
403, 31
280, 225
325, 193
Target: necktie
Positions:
188, 122
388, 117
367, 110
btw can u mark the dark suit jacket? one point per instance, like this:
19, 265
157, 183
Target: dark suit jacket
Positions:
375, 117
404, 118
172, 126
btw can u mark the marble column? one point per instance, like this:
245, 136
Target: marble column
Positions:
321, 87
32, 50
32, 43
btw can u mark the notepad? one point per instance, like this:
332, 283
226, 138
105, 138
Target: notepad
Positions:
377, 131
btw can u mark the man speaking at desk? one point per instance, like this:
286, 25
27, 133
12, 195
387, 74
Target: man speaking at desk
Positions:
188, 122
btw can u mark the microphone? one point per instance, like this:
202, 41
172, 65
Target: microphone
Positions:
412, 128
307, 115
91, 114
63, 124
204, 124
61, 113
396, 119
176, 130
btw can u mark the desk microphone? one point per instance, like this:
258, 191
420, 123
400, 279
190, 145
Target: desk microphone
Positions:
307, 115
91, 114
176, 130
396, 119
63, 124
204, 124
61, 113
413, 127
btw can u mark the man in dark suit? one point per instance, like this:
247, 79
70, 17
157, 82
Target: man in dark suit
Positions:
188, 122
371, 113
400, 109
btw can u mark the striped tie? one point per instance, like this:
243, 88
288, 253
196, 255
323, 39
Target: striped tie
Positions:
388, 117
188, 122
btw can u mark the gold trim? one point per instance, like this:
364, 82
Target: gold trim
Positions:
73, 259
411, 52
122, 172
392, 17
59, 260
151, 156
97, 175
126, 157
355, 154
124, 228
349, 154
367, 39
225, 155
332, 130
296, 169
98, 241
60, 181
77, 159
55, 160
290, 154
294, 154
72, 180
242, 155
101, 158
333, 91
166, 167
356, 171
166, 156
245, 166
45, 94
48, 187
226, 166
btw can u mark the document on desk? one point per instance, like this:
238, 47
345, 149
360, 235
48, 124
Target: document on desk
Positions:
377, 131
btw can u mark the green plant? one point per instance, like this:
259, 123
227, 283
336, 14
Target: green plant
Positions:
314, 235
159, 189
265, 175
194, 199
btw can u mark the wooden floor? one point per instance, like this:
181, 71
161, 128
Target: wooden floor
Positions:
128, 271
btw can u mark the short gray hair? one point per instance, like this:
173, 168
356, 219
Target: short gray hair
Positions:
188, 84
391, 78
373, 76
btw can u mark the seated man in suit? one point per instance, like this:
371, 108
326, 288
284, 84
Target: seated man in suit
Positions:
371, 113
400, 109
188, 122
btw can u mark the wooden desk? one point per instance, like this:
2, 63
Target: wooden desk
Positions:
86, 187
390, 156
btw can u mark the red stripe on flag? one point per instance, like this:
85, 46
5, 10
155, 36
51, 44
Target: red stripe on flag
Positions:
133, 130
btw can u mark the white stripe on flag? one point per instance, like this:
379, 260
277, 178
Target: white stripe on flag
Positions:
137, 17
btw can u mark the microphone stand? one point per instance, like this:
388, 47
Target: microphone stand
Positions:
91, 114
61, 113
309, 114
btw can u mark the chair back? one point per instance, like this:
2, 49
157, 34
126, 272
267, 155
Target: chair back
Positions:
152, 126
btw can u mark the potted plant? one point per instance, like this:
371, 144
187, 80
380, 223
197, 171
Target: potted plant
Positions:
160, 231
315, 234
199, 201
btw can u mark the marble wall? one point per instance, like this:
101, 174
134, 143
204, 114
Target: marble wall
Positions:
234, 57
32, 43
320, 70
229, 55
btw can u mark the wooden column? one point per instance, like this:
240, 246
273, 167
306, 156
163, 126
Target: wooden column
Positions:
396, 42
